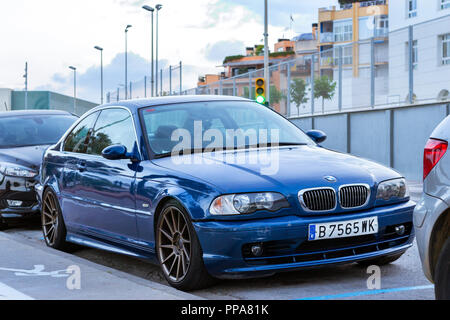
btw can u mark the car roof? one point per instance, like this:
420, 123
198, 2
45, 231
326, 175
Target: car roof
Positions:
22, 113
153, 102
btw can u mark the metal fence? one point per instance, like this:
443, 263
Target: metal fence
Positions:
405, 66
390, 68
169, 82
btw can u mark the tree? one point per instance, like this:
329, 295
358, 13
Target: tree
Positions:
299, 93
324, 88
275, 95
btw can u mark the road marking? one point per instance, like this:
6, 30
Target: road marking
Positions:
38, 271
369, 292
8, 293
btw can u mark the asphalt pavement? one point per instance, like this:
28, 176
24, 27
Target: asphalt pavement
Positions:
30, 270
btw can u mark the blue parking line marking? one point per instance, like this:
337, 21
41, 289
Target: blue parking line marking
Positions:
368, 292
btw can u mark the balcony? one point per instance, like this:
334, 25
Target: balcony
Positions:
381, 33
372, 3
326, 37
327, 61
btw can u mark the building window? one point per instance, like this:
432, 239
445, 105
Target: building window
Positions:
445, 39
412, 8
415, 54
445, 4
343, 31
347, 55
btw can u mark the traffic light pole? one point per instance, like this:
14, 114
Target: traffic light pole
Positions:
266, 51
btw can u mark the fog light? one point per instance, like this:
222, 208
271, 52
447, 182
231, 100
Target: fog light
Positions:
257, 250
400, 230
14, 203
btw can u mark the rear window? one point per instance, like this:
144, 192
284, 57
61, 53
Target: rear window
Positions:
33, 130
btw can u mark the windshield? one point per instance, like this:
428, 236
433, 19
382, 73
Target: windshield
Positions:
33, 130
218, 125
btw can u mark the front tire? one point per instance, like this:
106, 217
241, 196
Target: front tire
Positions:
3, 225
53, 226
442, 273
179, 251
381, 261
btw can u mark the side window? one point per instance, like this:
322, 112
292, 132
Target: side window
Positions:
114, 126
77, 140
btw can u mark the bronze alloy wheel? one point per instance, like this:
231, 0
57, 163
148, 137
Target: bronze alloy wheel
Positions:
50, 218
174, 244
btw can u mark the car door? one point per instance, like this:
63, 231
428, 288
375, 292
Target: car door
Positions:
107, 187
75, 145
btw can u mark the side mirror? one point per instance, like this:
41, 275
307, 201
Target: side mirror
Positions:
117, 152
317, 135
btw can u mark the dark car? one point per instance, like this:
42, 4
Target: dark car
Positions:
24, 137
121, 180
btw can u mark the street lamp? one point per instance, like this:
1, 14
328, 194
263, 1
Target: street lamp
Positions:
101, 71
126, 60
158, 7
152, 78
74, 88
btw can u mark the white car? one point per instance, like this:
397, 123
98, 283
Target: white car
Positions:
432, 214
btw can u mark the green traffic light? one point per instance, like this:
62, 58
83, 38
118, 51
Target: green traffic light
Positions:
260, 99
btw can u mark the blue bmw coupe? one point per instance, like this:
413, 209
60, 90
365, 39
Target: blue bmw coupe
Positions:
218, 187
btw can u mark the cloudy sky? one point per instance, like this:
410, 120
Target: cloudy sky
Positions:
54, 34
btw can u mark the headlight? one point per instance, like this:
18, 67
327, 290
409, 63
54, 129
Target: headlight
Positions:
13, 170
235, 204
392, 189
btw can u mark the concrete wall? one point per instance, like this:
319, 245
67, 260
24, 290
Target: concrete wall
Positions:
5, 99
394, 137
49, 100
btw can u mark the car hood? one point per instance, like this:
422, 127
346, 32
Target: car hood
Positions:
292, 169
30, 157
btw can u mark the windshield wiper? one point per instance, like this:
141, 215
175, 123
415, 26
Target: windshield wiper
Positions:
198, 150
270, 145
179, 152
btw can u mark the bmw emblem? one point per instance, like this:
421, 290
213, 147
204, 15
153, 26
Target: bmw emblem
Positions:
330, 179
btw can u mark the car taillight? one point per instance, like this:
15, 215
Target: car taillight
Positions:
434, 151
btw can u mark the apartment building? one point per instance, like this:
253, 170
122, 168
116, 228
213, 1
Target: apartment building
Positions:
348, 38
430, 26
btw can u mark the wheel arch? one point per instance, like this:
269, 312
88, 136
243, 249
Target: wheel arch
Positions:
440, 233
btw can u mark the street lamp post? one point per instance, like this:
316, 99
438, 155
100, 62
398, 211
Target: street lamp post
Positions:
158, 7
101, 71
152, 78
74, 89
126, 60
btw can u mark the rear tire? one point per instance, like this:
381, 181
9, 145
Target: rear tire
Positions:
179, 251
52, 222
381, 261
442, 273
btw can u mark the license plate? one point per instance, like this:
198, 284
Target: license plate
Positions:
343, 229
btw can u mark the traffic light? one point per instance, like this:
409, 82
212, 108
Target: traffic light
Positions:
260, 90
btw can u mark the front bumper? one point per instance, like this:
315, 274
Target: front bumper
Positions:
284, 239
426, 213
17, 189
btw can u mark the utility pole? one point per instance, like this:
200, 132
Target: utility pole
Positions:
26, 85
